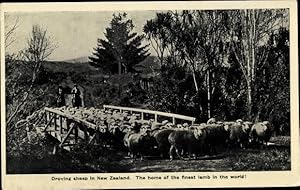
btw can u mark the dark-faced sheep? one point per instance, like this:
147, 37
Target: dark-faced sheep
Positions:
140, 144
216, 137
238, 133
190, 141
161, 137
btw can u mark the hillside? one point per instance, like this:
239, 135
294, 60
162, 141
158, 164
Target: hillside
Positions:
67, 67
83, 59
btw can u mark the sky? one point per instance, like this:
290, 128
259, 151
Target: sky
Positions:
75, 33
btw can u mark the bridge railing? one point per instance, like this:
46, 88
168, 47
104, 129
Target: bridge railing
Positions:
173, 116
78, 120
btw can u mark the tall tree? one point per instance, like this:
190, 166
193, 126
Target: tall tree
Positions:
158, 33
211, 46
123, 48
198, 39
249, 30
273, 89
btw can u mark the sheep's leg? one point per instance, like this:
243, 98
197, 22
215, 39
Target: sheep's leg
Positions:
171, 152
161, 150
189, 152
177, 152
182, 153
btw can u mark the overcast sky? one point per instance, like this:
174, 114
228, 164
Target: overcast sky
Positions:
75, 33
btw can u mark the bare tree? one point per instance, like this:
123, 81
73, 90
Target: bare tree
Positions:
39, 47
11, 25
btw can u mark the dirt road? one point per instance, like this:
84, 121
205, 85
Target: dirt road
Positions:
270, 158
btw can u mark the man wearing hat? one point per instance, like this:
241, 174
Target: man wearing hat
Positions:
60, 100
76, 97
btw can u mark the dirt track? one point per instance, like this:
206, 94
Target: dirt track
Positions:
95, 161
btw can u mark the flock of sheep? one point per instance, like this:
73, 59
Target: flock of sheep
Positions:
147, 137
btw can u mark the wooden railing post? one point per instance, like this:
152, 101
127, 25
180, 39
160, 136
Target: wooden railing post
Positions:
48, 124
61, 125
142, 115
76, 133
55, 122
67, 124
173, 120
86, 137
155, 118
46, 117
68, 134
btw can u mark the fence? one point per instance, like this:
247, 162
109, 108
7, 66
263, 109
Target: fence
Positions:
156, 114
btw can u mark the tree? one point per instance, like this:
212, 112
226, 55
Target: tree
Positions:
196, 37
158, 33
39, 47
210, 46
123, 48
273, 89
249, 30
11, 26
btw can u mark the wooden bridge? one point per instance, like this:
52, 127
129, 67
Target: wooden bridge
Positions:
70, 130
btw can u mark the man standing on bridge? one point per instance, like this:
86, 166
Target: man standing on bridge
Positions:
76, 101
60, 100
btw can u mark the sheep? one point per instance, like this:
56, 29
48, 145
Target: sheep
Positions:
190, 141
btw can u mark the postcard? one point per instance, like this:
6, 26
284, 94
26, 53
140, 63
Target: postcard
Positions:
106, 95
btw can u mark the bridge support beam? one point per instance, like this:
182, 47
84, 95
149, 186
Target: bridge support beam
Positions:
73, 125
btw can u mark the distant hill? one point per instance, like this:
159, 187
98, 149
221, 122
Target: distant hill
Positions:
66, 67
84, 59
148, 66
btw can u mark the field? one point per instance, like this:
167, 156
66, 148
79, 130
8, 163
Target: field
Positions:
98, 160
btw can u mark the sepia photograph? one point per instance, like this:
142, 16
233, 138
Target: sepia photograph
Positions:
135, 91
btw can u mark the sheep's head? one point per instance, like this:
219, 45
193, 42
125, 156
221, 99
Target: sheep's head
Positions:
103, 129
268, 124
239, 121
211, 121
247, 126
185, 125
199, 133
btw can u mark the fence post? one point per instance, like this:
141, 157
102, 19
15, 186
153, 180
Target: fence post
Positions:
61, 125
76, 133
54, 121
46, 116
173, 120
155, 117
142, 115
